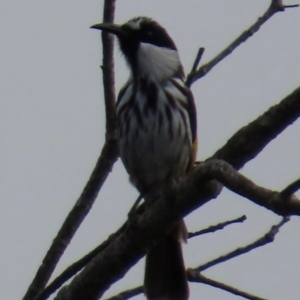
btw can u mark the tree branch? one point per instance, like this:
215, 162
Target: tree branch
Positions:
250, 140
217, 227
108, 71
275, 6
103, 167
81, 263
124, 252
241, 148
262, 241
128, 294
291, 189
239, 184
197, 277
77, 266
173, 202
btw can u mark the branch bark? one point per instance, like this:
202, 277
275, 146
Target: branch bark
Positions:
177, 200
241, 148
90, 192
130, 246
275, 6
197, 277
250, 140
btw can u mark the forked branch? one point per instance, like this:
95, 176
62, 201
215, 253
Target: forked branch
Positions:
102, 169
275, 7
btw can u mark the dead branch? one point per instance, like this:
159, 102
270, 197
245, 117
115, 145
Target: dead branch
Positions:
251, 139
197, 277
291, 189
275, 7
128, 294
238, 150
177, 200
90, 192
194, 274
217, 227
262, 241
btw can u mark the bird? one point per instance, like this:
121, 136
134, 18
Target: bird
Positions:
157, 140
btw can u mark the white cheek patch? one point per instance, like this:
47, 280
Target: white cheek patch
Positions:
157, 63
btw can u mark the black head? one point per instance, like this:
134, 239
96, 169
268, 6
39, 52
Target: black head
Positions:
136, 31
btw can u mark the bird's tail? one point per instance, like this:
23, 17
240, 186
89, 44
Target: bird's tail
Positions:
165, 274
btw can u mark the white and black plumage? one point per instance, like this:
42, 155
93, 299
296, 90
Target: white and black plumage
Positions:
157, 136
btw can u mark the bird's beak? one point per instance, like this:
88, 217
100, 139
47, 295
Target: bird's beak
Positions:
111, 28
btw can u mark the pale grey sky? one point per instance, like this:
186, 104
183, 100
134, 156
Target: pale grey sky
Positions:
52, 129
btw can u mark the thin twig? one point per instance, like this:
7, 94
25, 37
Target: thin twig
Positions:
275, 7
277, 4
128, 294
246, 156
77, 266
251, 139
84, 203
108, 71
217, 227
267, 238
126, 250
291, 189
194, 276
195, 66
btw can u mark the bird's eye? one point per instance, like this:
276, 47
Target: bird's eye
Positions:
149, 33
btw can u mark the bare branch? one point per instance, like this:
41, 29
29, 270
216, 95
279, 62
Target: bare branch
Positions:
239, 184
247, 142
195, 66
108, 71
191, 193
121, 253
173, 202
77, 266
276, 6
217, 227
80, 264
267, 238
128, 294
103, 167
194, 276
291, 189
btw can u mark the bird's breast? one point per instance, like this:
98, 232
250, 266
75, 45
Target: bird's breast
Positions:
154, 132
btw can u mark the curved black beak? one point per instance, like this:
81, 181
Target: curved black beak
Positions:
111, 28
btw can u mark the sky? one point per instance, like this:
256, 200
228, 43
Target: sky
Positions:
52, 130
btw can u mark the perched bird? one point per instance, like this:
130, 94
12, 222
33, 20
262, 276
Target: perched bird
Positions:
157, 137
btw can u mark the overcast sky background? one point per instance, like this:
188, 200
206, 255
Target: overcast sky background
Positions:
52, 129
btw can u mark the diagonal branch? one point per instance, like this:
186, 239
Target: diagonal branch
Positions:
128, 294
103, 167
131, 239
250, 140
125, 251
262, 241
108, 71
73, 269
173, 202
275, 6
291, 189
81, 263
194, 274
217, 227
197, 277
